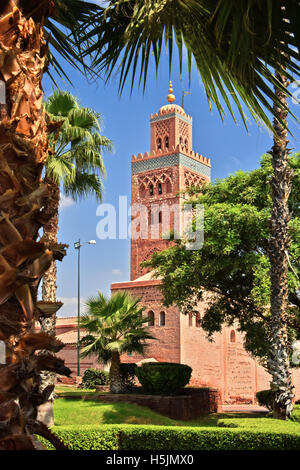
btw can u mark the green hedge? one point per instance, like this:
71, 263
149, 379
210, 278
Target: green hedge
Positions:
163, 378
93, 377
266, 398
141, 437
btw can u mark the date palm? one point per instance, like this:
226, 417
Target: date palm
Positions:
75, 166
114, 326
33, 35
236, 47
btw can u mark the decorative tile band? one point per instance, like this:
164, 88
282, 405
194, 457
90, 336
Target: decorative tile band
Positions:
167, 116
170, 160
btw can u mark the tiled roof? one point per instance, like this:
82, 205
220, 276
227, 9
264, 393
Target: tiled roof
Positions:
70, 337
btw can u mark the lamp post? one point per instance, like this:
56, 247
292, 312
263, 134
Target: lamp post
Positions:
77, 246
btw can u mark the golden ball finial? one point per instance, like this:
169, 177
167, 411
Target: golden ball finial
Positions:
171, 97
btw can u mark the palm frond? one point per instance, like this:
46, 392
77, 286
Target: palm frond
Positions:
236, 46
62, 34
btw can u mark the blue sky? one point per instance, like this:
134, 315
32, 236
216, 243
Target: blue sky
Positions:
126, 123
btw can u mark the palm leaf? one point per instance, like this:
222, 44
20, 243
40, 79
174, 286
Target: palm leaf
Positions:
236, 46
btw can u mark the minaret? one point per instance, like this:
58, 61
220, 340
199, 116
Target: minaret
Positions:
157, 177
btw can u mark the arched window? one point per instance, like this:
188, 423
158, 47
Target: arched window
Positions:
167, 142
151, 190
159, 186
159, 143
198, 318
232, 336
180, 140
160, 217
151, 318
162, 319
186, 143
190, 319
142, 191
168, 186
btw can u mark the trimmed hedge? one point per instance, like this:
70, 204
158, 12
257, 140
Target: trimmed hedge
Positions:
93, 377
141, 437
127, 374
266, 398
163, 378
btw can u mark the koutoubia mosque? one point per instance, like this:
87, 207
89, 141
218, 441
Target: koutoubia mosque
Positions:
160, 177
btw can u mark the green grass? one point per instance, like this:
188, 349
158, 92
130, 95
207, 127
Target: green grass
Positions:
91, 425
71, 411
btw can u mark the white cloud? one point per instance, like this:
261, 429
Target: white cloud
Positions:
65, 201
116, 272
69, 308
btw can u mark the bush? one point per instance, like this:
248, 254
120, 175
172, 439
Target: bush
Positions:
93, 377
127, 374
266, 398
296, 413
163, 378
141, 437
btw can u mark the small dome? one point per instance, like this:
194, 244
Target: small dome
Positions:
169, 107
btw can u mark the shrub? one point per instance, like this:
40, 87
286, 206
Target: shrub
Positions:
296, 413
93, 377
163, 378
266, 398
127, 373
141, 437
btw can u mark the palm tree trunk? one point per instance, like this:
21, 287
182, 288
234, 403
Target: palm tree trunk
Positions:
48, 323
278, 364
23, 196
116, 385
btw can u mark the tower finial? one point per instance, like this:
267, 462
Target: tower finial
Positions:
171, 97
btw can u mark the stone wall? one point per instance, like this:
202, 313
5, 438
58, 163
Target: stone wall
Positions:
194, 403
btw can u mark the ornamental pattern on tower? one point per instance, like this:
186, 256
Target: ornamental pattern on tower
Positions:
159, 179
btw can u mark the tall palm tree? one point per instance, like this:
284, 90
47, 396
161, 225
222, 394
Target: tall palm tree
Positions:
115, 326
30, 33
235, 46
76, 165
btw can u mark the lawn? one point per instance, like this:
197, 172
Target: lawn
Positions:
74, 411
87, 424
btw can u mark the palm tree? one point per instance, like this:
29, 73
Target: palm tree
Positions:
235, 46
75, 164
30, 33
115, 326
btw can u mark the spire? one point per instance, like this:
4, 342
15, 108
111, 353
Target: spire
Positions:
171, 97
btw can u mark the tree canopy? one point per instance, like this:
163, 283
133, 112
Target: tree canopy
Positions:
233, 263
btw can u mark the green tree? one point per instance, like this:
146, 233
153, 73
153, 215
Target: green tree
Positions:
233, 264
115, 326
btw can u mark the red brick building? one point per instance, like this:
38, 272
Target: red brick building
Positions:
158, 178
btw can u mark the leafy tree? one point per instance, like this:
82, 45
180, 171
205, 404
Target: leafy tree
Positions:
115, 326
233, 264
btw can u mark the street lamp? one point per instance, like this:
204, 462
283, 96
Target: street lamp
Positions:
77, 246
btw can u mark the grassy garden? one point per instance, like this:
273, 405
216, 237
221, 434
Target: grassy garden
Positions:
91, 425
